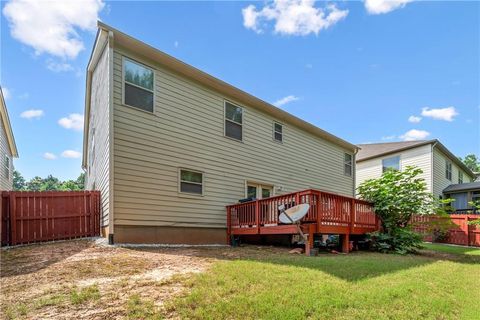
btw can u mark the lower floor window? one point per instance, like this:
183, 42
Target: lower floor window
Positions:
259, 191
191, 182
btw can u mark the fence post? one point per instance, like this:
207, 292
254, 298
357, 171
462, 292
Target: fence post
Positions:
13, 222
467, 231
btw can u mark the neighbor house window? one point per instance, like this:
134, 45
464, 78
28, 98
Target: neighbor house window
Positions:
7, 167
277, 132
392, 163
460, 176
347, 164
191, 182
448, 170
138, 85
233, 121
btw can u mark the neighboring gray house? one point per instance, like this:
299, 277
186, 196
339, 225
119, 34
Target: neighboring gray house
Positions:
441, 168
169, 146
463, 194
8, 149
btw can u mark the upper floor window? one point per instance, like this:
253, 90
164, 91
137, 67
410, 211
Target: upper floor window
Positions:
7, 167
347, 164
191, 182
391, 163
138, 85
448, 170
277, 132
233, 121
460, 176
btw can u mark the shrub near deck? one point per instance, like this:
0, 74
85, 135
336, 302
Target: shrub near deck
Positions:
358, 286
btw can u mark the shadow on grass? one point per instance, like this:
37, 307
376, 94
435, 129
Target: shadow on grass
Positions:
352, 267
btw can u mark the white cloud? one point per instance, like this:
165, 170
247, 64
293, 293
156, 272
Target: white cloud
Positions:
292, 17
32, 114
445, 114
386, 138
6, 93
71, 154
176, 44
384, 6
49, 156
74, 121
414, 134
58, 66
52, 26
285, 100
414, 119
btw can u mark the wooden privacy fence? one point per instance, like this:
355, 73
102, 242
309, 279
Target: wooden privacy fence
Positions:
28, 217
462, 233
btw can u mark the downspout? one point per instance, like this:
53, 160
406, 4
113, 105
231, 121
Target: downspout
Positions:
432, 168
354, 166
111, 188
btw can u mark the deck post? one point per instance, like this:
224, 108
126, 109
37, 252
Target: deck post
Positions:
311, 238
346, 243
257, 215
229, 226
318, 197
352, 216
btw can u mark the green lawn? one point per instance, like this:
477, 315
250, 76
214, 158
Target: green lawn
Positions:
360, 285
453, 249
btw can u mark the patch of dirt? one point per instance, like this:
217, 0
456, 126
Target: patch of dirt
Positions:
37, 281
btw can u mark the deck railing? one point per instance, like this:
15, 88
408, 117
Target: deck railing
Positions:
326, 209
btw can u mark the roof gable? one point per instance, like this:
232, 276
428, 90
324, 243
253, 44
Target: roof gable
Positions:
6, 124
186, 70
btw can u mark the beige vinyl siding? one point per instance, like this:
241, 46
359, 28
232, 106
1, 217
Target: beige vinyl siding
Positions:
186, 131
97, 177
420, 157
6, 182
440, 181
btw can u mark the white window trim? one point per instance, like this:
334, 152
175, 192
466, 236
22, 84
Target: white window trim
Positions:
135, 85
447, 163
7, 166
189, 194
252, 182
274, 131
460, 177
225, 119
399, 162
351, 164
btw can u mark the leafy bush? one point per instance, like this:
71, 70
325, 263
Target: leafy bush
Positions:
397, 196
401, 241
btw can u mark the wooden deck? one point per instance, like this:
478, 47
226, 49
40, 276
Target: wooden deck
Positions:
328, 214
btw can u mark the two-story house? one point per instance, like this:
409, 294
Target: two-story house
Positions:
444, 174
169, 146
8, 149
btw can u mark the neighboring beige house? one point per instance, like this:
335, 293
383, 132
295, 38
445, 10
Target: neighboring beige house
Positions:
8, 149
441, 168
169, 146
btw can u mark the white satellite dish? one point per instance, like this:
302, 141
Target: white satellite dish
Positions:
293, 214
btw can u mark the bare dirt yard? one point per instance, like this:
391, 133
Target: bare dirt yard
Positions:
82, 280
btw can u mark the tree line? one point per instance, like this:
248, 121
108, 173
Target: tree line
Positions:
50, 183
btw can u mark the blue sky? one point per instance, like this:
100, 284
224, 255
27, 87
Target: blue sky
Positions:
359, 70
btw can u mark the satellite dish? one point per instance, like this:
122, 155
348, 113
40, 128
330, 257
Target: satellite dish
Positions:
294, 214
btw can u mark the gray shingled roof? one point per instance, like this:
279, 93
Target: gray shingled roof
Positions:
373, 150
462, 187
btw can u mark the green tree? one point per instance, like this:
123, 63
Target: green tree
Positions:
397, 196
81, 181
35, 184
18, 181
50, 183
472, 162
